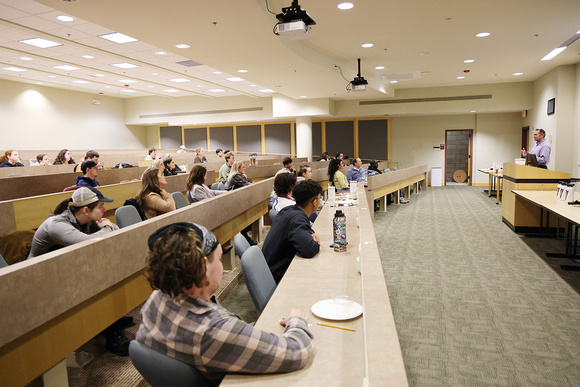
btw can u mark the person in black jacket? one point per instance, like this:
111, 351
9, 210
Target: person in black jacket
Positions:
11, 158
291, 233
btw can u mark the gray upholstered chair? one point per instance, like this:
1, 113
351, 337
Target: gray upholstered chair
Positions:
160, 370
221, 186
240, 244
180, 200
126, 216
258, 277
215, 185
2, 262
189, 197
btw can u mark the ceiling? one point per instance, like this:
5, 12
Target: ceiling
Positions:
419, 43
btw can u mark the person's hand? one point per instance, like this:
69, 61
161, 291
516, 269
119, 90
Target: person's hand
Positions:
104, 222
524, 153
292, 313
316, 238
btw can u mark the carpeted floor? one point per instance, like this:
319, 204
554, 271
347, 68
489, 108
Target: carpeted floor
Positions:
473, 303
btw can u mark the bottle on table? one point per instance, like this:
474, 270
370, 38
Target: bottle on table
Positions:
339, 228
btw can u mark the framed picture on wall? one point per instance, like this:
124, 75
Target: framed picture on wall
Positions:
551, 106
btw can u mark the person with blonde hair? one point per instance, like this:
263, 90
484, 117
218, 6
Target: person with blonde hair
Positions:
11, 158
200, 156
152, 198
237, 177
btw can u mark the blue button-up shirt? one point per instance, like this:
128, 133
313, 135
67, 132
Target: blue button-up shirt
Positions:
354, 174
542, 151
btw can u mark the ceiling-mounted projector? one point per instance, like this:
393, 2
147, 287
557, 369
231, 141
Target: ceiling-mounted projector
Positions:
359, 83
294, 23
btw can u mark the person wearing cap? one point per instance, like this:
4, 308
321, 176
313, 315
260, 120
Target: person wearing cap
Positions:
90, 171
374, 166
181, 320
74, 220
182, 149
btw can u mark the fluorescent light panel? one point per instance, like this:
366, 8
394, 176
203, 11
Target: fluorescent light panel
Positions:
66, 67
41, 43
235, 79
118, 37
553, 53
180, 80
15, 69
124, 65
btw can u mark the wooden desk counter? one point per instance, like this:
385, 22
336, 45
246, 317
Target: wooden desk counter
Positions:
371, 354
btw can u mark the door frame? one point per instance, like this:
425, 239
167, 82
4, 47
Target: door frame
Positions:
469, 155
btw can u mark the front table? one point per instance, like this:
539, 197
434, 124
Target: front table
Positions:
371, 354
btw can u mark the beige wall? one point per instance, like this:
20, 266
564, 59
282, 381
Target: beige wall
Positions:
40, 117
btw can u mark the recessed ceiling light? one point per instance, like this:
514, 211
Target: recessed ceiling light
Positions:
235, 79
482, 34
155, 74
127, 80
161, 52
39, 42
473, 111
217, 72
242, 71
52, 76
25, 58
199, 86
118, 37
66, 67
99, 75
124, 65
516, 74
88, 57
39, 83
394, 81
461, 77
367, 45
380, 68
182, 45
180, 80
151, 86
81, 81
553, 53
128, 91
303, 96
267, 90
65, 18
345, 5
16, 69
253, 85
469, 61
217, 90
107, 86
171, 91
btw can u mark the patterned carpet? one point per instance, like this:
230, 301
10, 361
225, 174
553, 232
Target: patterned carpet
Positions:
473, 303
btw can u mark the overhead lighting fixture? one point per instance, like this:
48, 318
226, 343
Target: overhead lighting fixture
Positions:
394, 81
217, 72
359, 83
217, 90
294, 23
469, 61
15, 69
367, 45
303, 96
170, 91
380, 68
88, 57
516, 74
118, 37
182, 45
151, 86
25, 58
81, 81
52, 76
482, 34
180, 80
345, 5
155, 74
161, 52
553, 53
99, 75
461, 77
235, 79
124, 65
127, 80
128, 91
267, 91
66, 67
41, 43
39, 83
242, 71
65, 18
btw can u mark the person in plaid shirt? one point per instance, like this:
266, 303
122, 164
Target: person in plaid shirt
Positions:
180, 320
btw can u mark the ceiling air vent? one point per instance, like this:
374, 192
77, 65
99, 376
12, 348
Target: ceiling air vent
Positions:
189, 63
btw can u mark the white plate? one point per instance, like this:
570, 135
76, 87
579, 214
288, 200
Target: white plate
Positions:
337, 310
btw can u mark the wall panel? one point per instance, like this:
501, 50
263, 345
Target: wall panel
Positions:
277, 138
170, 137
373, 139
340, 137
195, 138
249, 138
221, 137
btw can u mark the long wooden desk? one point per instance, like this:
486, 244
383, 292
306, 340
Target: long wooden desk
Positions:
369, 356
53, 304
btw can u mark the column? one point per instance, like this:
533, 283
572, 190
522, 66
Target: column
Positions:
304, 137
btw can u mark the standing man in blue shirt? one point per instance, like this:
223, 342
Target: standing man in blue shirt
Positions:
542, 149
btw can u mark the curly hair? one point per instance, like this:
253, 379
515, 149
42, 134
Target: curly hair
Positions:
60, 157
176, 262
333, 166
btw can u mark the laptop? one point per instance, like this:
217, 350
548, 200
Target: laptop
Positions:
532, 160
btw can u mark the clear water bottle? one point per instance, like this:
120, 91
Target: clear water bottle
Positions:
339, 227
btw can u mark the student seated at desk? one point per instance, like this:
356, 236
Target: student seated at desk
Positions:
227, 167
11, 158
237, 177
196, 185
169, 167
181, 320
152, 198
64, 157
304, 172
41, 160
90, 172
335, 176
291, 233
90, 155
199, 156
283, 184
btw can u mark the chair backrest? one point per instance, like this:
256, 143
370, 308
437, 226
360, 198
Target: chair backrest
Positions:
2, 262
215, 185
258, 277
160, 370
273, 214
189, 197
240, 244
221, 186
71, 188
180, 200
126, 216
